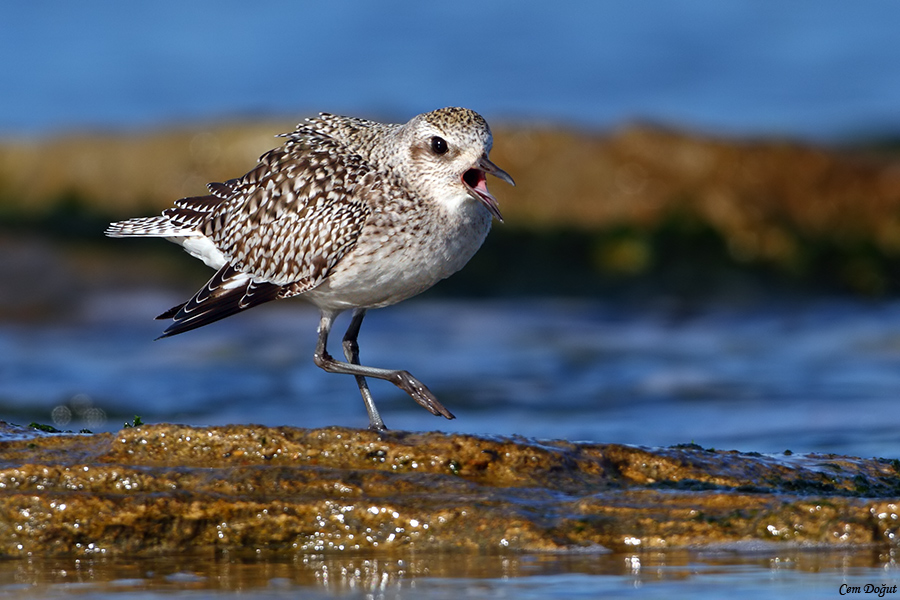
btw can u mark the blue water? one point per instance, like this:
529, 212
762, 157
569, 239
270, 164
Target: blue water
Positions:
816, 69
809, 375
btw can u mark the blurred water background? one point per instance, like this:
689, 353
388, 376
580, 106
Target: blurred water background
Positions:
756, 367
817, 70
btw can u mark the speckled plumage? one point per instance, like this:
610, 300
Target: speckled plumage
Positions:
347, 214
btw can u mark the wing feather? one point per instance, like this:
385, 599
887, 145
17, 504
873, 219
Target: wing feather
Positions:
228, 292
293, 217
281, 228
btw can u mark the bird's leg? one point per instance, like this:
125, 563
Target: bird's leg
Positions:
351, 353
402, 379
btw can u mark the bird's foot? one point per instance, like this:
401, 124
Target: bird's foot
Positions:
377, 426
419, 392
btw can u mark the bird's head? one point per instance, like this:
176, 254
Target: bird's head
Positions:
450, 147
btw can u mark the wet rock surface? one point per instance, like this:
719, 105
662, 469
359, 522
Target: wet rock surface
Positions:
157, 489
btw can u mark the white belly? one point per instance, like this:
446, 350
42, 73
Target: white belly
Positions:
387, 267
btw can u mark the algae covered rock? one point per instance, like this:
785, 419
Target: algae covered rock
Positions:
159, 489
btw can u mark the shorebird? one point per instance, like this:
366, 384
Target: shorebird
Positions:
348, 214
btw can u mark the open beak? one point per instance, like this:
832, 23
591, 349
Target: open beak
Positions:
475, 180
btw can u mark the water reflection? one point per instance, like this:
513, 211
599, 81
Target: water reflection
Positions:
517, 575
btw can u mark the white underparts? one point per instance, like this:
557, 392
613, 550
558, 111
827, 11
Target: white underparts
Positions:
456, 201
200, 246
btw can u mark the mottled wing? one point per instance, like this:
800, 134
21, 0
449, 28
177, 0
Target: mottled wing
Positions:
193, 214
281, 227
292, 218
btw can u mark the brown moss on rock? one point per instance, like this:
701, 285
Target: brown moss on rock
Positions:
164, 488
757, 193
626, 204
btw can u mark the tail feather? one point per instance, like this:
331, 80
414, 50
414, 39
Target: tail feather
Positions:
160, 226
186, 218
228, 292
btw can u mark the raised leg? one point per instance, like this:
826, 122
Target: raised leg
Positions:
402, 379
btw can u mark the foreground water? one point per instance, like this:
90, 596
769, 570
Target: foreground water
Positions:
806, 375
796, 575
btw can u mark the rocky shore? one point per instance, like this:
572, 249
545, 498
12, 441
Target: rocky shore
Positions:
159, 489
640, 201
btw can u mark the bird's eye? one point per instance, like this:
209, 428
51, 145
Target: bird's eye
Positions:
438, 145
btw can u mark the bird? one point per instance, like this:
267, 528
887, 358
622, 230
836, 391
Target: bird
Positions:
348, 214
